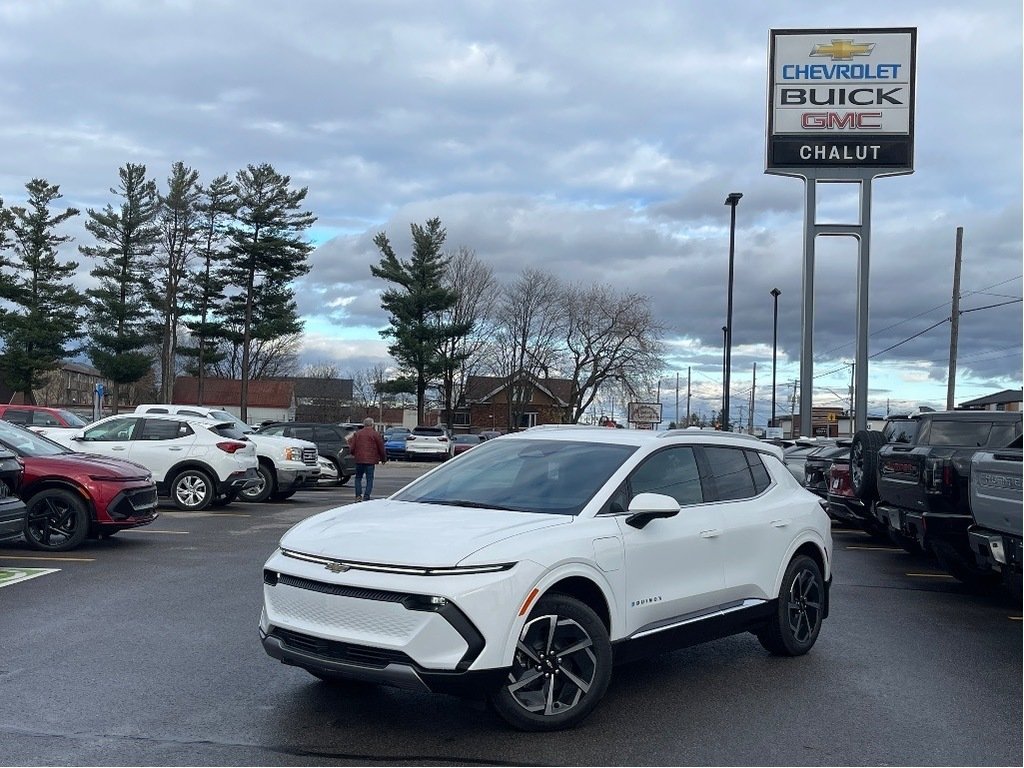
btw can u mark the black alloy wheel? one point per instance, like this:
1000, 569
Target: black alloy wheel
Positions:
794, 628
561, 669
58, 520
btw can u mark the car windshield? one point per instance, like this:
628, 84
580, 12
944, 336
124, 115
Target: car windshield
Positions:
24, 442
72, 419
546, 476
239, 424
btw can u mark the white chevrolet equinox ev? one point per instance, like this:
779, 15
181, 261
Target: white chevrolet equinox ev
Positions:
522, 570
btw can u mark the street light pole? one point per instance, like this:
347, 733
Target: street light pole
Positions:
725, 397
775, 346
731, 200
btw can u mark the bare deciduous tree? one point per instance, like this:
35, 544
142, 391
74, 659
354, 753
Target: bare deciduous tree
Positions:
267, 358
321, 369
528, 324
477, 290
608, 338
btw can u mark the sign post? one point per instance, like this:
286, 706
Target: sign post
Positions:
97, 402
840, 110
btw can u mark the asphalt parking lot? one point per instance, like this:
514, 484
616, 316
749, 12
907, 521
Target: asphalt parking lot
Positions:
143, 650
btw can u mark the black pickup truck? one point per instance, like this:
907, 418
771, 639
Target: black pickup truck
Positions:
921, 487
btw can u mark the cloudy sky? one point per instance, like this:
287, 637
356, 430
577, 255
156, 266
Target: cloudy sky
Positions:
595, 140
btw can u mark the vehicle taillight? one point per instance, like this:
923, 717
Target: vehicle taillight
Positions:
230, 446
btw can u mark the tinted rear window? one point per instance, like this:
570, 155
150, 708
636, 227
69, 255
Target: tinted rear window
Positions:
228, 430
967, 434
429, 431
731, 473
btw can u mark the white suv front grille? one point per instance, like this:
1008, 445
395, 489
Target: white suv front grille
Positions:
309, 456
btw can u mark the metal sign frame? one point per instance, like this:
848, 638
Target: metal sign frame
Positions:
849, 169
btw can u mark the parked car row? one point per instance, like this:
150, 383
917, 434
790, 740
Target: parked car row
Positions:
946, 483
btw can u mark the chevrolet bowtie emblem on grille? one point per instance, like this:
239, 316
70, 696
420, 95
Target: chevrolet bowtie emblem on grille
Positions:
843, 50
336, 567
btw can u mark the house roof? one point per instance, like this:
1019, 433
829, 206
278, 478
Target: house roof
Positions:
308, 386
999, 398
483, 388
263, 393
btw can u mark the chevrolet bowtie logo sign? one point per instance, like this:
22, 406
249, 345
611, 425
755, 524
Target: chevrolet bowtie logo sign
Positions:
843, 50
336, 567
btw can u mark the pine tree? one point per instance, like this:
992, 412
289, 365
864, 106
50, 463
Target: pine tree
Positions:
44, 320
206, 286
266, 253
120, 314
416, 305
180, 225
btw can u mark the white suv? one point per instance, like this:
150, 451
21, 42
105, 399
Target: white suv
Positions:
523, 570
428, 443
194, 461
286, 465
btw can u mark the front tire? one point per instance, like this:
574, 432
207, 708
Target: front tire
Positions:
794, 628
57, 520
192, 490
262, 490
561, 669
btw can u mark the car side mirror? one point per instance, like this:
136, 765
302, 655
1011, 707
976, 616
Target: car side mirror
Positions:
78, 438
650, 506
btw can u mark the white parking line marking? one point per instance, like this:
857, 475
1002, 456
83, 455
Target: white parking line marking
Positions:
58, 559
149, 530
932, 575
10, 576
1015, 618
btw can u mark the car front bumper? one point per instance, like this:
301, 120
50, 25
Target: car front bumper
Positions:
348, 624
293, 478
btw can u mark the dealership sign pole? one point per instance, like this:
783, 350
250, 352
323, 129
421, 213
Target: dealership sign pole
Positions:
840, 110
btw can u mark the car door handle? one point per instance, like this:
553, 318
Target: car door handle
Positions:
176, 448
780, 523
710, 533
118, 448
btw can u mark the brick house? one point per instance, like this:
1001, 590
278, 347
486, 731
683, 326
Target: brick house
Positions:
486, 403
269, 400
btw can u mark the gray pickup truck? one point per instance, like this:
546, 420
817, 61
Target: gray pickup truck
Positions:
997, 506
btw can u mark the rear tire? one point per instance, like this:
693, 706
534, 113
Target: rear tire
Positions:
223, 499
192, 490
56, 520
864, 462
561, 669
794, 628
261, 492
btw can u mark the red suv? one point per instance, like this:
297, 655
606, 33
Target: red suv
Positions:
40, 416
70, 496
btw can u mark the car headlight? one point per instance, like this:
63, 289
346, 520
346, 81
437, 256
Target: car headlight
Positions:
292, 454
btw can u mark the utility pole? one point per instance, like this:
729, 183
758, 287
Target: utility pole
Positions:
675, 413
954, 320
853, 367
687, 395
753, 389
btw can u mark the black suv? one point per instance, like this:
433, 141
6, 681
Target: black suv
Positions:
12, 509
330, 442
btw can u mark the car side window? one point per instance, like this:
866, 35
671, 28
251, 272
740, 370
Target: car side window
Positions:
1002, 435
157, 410
673, 472
43, 419
302, 433
115, 429
730, 472
324, 434
15, 416
165, 429
184, 412
761, 477
278, 430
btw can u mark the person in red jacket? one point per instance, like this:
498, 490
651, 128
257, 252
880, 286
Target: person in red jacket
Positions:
368, 451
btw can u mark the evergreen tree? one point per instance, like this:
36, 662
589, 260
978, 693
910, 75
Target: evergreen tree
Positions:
266, 253
180, 225
46, 307
120, 314
206, 285
416, 305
